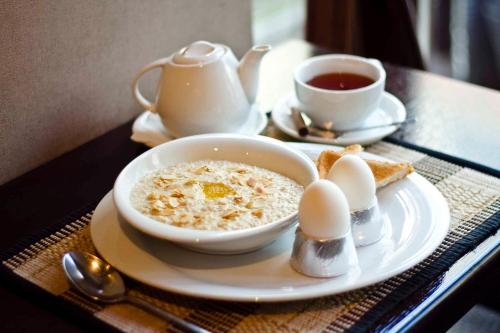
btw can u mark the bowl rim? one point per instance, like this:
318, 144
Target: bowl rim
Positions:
193, 236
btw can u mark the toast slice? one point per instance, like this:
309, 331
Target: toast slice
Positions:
384, 172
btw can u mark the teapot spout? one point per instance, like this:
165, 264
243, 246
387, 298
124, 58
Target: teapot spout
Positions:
248, 70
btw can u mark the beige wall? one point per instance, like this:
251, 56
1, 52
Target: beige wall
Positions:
66, 66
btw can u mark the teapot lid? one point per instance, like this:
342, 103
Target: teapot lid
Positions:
198, 53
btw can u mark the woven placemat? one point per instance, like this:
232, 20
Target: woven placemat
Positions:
474, 200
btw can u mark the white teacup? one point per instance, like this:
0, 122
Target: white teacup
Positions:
340, 109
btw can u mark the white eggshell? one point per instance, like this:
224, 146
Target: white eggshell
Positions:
355, 178
324, 211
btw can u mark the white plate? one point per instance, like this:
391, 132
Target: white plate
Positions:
390, 110
416, 216
149, 130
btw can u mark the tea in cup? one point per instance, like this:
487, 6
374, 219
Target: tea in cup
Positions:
339, 91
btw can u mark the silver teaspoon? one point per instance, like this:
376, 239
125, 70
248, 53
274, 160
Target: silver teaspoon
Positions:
100, 281
304, 126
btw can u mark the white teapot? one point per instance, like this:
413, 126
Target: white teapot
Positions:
203, 88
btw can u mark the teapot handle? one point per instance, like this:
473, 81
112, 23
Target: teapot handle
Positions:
135, 84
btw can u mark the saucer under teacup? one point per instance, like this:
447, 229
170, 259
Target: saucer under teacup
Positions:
390, 110
149, 130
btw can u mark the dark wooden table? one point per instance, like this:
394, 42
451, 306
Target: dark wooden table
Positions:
453, 117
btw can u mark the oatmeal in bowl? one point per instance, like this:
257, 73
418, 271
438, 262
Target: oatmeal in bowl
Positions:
216, 193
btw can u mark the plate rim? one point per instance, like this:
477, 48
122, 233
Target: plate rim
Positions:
442, 214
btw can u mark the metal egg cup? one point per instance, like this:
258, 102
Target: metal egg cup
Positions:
367, 225
323, 257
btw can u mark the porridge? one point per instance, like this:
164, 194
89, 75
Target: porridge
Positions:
215, 195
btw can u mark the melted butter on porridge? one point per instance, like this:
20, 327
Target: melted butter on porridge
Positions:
216, 195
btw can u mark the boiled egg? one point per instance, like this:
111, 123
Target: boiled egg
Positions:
356, 180
324, 211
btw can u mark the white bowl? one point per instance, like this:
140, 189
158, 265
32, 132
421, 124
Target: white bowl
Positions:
260, 151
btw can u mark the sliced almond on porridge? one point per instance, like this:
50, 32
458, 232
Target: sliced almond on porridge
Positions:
190, 182
231, 215
235, 180
167, 212
162, 211
221, 225
177, 194
249, 205
155, 211
258, 213
251, 182
185, 217
178, 223
238, 200
153, 196
158, 183
259, 188
163, 181
201, 170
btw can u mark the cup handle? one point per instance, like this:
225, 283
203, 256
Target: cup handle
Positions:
135, 84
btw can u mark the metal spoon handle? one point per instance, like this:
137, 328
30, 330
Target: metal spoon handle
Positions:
394, 123
179, 322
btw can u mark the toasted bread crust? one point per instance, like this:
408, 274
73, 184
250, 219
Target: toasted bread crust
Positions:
384, 172
328, 157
